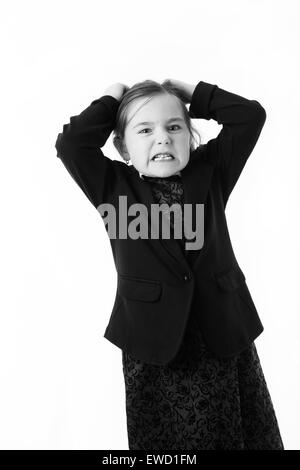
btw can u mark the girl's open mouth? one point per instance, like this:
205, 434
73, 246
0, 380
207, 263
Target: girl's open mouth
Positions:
163, 157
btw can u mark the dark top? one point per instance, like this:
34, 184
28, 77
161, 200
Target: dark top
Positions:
170, 190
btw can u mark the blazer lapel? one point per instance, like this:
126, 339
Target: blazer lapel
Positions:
196, 177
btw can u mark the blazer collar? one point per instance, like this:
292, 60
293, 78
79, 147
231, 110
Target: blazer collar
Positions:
142, 176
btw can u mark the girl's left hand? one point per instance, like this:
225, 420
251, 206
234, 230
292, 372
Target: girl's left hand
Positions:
186, 88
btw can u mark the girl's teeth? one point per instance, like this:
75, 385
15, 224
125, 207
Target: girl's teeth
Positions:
163, 158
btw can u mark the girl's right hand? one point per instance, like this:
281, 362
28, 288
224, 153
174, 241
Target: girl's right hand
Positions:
116, 90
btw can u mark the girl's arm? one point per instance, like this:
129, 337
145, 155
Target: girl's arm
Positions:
242, 121
78, 147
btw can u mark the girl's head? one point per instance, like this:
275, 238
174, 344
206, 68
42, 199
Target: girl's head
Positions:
152, 118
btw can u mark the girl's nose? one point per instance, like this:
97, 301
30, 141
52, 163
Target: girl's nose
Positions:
163, 138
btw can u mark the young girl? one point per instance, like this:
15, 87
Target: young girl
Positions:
183, 315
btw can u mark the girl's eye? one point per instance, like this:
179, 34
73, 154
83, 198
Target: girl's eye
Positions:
174, 125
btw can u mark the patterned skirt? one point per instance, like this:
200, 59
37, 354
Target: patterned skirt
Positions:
199, 401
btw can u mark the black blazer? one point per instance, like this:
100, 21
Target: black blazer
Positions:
157, 285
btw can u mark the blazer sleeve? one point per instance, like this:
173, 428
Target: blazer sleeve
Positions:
79, 148
242, 121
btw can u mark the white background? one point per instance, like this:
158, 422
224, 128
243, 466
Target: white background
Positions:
62, 384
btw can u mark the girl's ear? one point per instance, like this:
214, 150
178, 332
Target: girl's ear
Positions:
124, 151
125, 156
120, 146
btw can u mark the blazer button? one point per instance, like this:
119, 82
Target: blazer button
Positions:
186, 277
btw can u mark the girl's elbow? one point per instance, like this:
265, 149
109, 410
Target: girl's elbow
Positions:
259, 110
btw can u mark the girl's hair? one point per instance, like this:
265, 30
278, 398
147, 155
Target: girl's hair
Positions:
150, 88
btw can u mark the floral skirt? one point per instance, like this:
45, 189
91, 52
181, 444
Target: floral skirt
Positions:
199, 401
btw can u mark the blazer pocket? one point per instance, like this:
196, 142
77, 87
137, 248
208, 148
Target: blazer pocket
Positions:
139, 289
235, 298
230, 279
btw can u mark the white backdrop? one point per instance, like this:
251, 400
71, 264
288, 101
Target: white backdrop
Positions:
62, 384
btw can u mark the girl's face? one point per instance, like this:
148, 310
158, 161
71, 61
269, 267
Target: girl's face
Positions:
157, 127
